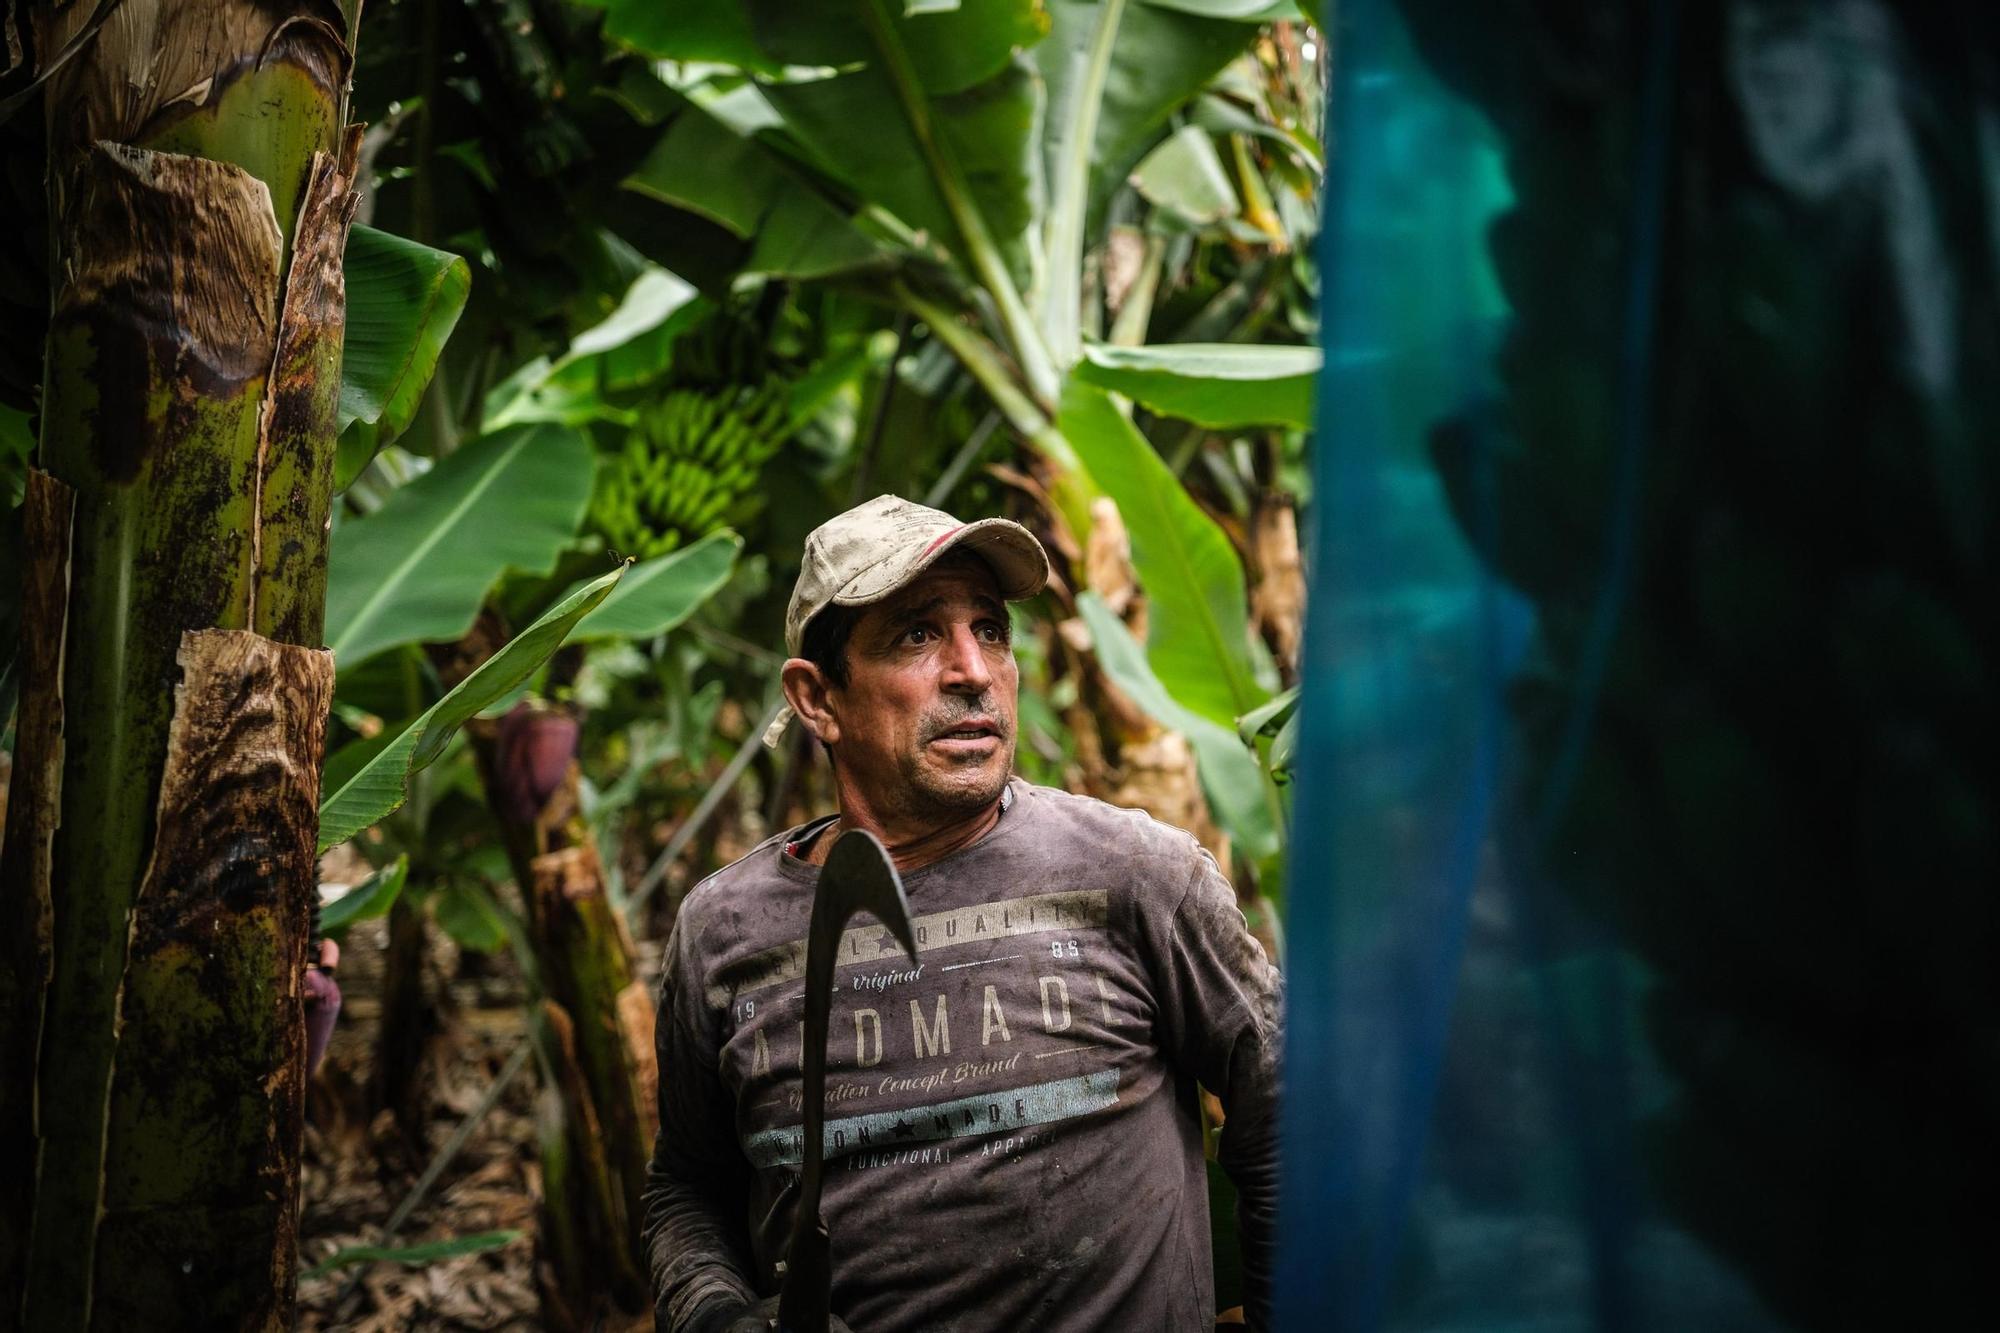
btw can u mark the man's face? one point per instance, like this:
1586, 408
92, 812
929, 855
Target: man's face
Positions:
926, 719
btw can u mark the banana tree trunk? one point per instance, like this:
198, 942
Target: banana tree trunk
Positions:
596, 1024
162, 862
408, 1024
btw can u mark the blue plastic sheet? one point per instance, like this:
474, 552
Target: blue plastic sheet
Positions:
1407, 641
1644, 827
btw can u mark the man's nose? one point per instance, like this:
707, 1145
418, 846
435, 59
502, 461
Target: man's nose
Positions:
965, 669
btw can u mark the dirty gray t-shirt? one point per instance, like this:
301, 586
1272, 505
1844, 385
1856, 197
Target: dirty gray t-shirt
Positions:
1012, 1134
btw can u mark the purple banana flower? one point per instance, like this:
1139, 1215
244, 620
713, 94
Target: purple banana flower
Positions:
532, 753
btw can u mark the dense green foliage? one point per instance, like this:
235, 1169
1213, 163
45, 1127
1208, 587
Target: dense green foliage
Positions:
632, 307
837, 311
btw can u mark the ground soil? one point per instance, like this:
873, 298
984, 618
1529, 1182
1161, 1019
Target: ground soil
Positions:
359, 1166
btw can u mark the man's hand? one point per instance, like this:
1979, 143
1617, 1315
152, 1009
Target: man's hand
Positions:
322, 1001
736, 1317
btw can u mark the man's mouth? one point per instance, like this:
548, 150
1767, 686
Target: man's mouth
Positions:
973, 730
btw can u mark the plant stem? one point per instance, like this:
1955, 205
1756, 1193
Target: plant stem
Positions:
1129, 329
195, 431
962, 461
711, 801
1071, 490
435, 409
864, 466
1063, 296
983, 361
987, 262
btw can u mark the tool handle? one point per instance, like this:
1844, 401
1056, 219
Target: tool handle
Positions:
803, 1300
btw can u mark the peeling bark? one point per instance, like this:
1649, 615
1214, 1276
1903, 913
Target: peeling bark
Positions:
1156, 773
1278, 589
594, 1169
585, 958
296, 438
606, 1067
151, 58
162, 335
208, 1098
581, 1271
1107, 566
193, 147
636, 1015
157, 64
27, 922
13, 22
576, 923
170, 270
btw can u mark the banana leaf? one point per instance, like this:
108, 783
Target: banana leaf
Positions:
1223, 386
372, 897
630, 346
986, 133
704, 166
1185, 175
417, 569
953, 69
951, 48
381, 784
717, 31
659, 594
1270, 718
1160, 59
1199, 645
403, 300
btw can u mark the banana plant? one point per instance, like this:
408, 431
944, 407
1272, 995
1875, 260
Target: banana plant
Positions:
1003, 137
586, 1004
489, 535
180, 362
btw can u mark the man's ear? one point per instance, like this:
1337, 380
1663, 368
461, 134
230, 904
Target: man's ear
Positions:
809, 693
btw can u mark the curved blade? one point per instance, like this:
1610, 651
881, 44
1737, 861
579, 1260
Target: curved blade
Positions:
858, 877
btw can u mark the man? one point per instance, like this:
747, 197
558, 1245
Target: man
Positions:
1012, 1133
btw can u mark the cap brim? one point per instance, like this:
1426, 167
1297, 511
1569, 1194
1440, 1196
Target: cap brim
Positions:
1018, 562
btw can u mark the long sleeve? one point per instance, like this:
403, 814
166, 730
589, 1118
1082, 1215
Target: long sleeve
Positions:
698, 1182
1220, 1017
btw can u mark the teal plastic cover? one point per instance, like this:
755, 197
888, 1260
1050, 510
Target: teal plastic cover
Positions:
1641, 923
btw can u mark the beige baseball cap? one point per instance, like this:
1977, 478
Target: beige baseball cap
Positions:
872, 550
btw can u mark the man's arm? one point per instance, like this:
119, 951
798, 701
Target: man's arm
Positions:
698, 1183
1220, 1010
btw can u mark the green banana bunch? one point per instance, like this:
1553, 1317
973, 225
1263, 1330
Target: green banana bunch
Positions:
686, 467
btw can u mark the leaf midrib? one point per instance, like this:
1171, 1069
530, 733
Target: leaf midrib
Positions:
373, 606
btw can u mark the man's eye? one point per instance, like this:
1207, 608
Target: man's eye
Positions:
993, 633
916, 634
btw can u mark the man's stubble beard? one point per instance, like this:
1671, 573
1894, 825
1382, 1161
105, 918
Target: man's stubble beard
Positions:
931, 794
